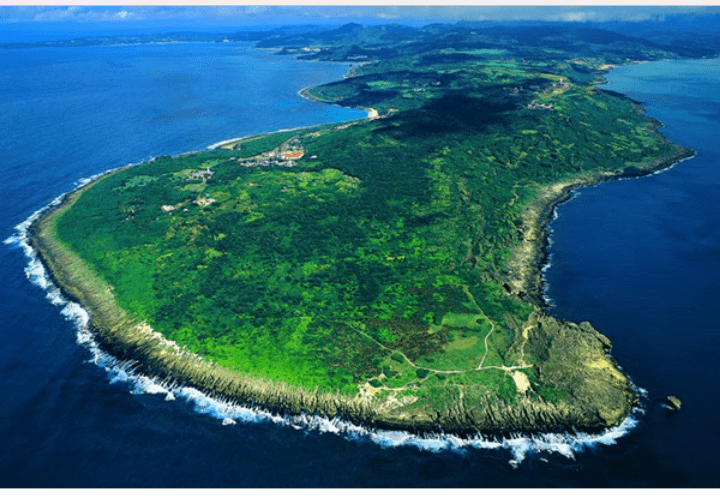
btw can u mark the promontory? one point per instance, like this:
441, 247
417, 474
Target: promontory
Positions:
385, 270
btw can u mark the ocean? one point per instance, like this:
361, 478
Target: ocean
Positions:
637, 258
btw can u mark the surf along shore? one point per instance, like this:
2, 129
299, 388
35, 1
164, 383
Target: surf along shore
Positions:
605, 401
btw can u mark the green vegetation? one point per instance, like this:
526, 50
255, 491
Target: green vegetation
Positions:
250, 147
468, 42
376, 254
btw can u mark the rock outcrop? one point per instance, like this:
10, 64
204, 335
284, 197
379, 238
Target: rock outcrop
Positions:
673, 402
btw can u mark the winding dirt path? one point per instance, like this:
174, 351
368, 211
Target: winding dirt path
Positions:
492, 328
438, 371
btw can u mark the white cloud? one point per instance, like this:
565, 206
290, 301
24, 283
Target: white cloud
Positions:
576, 16
268, 13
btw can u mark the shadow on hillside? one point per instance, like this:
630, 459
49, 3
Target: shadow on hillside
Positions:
452, 113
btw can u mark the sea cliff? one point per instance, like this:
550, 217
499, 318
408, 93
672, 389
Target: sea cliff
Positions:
602, 395
385, 270
577, 356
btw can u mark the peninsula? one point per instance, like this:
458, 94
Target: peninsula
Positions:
385, 270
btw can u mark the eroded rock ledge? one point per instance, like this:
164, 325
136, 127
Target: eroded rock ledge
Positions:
525, 267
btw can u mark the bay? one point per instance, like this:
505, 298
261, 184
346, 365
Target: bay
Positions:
74, 417
638, 258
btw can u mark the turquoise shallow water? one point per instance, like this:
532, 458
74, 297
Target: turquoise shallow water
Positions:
637, 258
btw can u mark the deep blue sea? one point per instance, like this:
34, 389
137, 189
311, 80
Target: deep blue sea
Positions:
637, 258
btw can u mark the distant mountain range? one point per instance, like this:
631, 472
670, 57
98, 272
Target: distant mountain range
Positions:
687, 36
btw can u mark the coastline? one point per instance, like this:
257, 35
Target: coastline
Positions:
136, 341
305, 93
530, 256
157, 356
372, 114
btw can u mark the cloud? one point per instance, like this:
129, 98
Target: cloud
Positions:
576, 16
429, 13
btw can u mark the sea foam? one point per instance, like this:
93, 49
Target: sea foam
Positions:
519, 446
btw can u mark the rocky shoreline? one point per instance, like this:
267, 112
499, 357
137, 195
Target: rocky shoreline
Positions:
156, 356
602, 395
530, 256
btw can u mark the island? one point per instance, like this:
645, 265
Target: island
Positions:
385, 270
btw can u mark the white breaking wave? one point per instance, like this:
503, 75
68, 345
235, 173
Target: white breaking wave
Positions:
660, 171
230, 413
548, 261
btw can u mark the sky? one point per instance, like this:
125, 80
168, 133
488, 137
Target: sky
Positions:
262, 14
66, 21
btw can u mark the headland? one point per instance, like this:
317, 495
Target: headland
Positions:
387, 271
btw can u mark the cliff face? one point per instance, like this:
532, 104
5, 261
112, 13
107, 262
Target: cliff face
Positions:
578, 360
524, 278
575, 358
